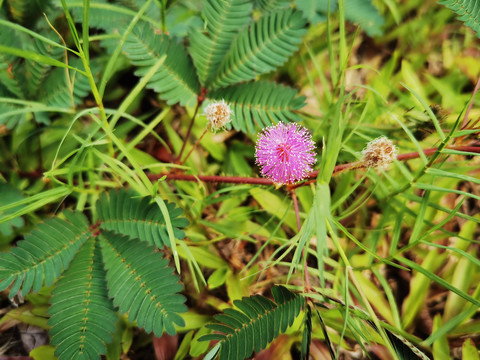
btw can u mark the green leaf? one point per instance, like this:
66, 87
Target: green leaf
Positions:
256, 323
64, 91
9, 194
26, 12
176, 81
82, 315
223, 20
122, 212
419, 285
44, 254
261, 48
142, 284
260, 104
307, 333
10, 76
469, 350
468, 12
438, 280
31, 55
108, 16
275, 206
315, 11
441, 349
365, 14
271, 5
36, 73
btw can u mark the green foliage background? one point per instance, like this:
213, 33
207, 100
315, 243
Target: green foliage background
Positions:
97, 103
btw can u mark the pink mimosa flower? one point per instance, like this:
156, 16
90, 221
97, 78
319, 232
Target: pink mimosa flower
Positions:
285, 153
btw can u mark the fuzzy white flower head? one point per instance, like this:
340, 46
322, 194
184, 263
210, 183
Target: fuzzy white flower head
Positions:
379, 153
218, 115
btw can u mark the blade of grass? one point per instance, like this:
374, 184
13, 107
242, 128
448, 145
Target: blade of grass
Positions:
35, 35
419, 284
443, 173
438, 280
107, 73
429, 111
136, 91
370, 310
86, 29
33, 202
43, 59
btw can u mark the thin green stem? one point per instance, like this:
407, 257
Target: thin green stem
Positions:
88, 72
163, 14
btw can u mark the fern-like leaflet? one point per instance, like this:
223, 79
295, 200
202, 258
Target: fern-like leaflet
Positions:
175, 81
82, 315
26, 12
257, 322
101, 268
122, 212
141, 283
468, 11
223, 20
260, 103
262, 47
271, 5
44, 254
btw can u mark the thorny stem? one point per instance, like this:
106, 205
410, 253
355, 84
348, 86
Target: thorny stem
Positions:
309, 179
190, 126
299, 226
194, 146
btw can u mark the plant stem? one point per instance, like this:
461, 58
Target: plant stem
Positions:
299, 226
373, 315
194, 146
190, 126
310, 177
465, 119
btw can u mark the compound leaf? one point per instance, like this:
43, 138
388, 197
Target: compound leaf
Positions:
261, 48
83, 318
260, 103
365, 14
142, 284
44, 254
9, 195
223, 20
176, 80
122, 212
11, 72
26, 12
468, 12
271, 5
257, 322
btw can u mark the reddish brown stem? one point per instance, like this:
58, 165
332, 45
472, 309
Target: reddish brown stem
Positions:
190, 126
213, 179
311, 178
194, 146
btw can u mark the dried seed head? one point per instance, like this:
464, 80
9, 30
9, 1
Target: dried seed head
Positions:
285, 153
379, 153
218, 115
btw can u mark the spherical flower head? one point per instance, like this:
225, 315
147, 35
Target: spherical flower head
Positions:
218, 115
379, 153
285, 153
